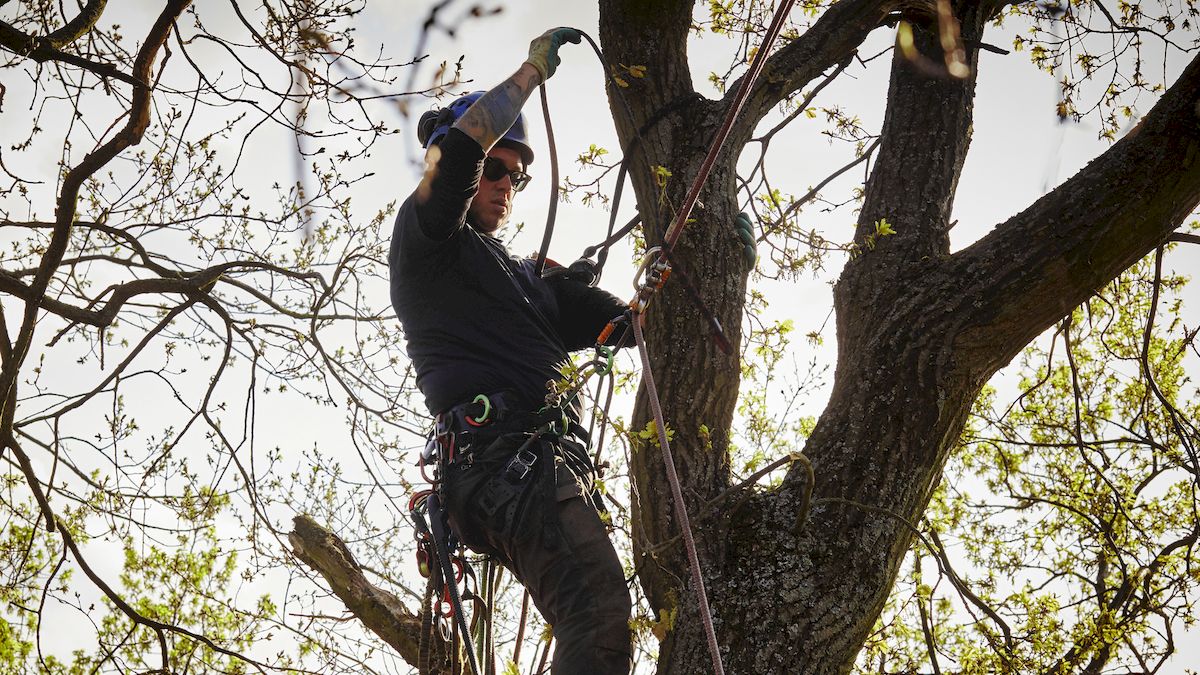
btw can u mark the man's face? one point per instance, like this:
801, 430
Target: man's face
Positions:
492, 205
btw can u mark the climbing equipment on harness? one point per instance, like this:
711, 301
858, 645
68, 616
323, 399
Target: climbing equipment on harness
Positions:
460, 437
487, 411
435, 560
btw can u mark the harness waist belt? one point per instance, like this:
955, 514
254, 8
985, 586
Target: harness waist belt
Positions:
490, 415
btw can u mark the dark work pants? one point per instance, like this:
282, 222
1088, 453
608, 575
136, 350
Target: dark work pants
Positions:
576, 580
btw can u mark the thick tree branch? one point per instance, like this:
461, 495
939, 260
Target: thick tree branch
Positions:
379, 610
925, 138
923, 146
1034, 268
654, 35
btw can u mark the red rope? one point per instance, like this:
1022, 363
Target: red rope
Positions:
743, 93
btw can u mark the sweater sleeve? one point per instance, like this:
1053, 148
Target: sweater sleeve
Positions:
584, 311
452, 187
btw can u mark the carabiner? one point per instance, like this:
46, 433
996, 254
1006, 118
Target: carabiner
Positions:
487, 411
651, 256
607, 353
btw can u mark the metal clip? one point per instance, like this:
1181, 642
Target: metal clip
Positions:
651, 275
520, 466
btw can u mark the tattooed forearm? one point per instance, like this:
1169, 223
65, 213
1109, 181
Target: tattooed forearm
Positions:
490, 117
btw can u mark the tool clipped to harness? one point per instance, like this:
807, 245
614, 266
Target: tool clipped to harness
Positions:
442, 544
603, 362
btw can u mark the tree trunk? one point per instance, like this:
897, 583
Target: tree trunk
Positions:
919, 331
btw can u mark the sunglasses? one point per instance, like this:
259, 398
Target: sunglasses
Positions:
495, 169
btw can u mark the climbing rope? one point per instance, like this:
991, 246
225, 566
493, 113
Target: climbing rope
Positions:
657, 273
685, 526
552, 213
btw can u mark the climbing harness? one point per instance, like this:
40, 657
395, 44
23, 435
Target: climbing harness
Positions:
459, 437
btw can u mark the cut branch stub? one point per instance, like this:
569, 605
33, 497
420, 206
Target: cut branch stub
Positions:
379, 610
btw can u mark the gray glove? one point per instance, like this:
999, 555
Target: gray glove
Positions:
543, 51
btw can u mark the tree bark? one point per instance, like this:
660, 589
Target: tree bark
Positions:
378, 609
919, 330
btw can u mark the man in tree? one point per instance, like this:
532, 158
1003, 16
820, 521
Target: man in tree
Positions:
486, 333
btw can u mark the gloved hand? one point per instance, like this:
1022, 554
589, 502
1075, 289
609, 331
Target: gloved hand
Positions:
543, 51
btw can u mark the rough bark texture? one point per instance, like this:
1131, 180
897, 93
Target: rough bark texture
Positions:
919, 330
378, 609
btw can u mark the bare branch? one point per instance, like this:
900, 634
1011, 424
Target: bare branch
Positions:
131, 134
1034, 268
49, 47
1184, 238
379, 610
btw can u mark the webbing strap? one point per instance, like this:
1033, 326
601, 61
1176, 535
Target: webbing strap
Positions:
441, 545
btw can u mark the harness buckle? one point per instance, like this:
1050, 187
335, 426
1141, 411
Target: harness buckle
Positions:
520, 466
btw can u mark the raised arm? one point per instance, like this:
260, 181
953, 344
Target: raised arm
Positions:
455, 157
491, 116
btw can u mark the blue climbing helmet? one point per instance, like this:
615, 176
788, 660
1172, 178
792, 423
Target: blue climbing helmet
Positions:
436, 123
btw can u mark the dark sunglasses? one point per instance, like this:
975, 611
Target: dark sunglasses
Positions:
495, 169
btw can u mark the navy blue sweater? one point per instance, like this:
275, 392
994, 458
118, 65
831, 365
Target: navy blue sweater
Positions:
476, 319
